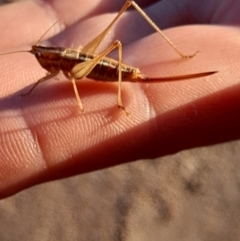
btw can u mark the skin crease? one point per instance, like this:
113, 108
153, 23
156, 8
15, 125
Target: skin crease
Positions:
44, 136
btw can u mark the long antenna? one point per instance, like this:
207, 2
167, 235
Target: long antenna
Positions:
14, 52
29, 51
46, 33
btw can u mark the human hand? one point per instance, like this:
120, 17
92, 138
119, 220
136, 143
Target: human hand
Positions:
44, 136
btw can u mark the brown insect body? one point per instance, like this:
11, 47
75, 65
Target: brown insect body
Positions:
80, 63
55, 58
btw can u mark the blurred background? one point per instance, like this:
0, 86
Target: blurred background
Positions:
8, 1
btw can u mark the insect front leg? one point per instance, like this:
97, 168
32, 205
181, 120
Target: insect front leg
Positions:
49, 76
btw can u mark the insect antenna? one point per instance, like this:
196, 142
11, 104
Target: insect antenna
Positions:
45, 33
30, 51
14, 52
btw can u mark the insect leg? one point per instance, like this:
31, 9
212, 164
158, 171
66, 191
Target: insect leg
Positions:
92, 46
77, 94
81, 70
49, 76
119, 99
158, 30
75, 90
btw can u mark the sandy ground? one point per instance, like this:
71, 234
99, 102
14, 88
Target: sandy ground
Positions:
192, 195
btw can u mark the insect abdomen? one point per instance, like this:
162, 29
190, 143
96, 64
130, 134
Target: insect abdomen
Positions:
107, 70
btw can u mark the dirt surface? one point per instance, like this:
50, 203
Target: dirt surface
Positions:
192, 195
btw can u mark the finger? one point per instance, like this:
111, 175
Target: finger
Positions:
174, 13
82, 9
26, 21
165, 14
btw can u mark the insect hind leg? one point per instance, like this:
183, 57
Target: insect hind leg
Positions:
82, 69
93, 45
158, 30
119, 99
